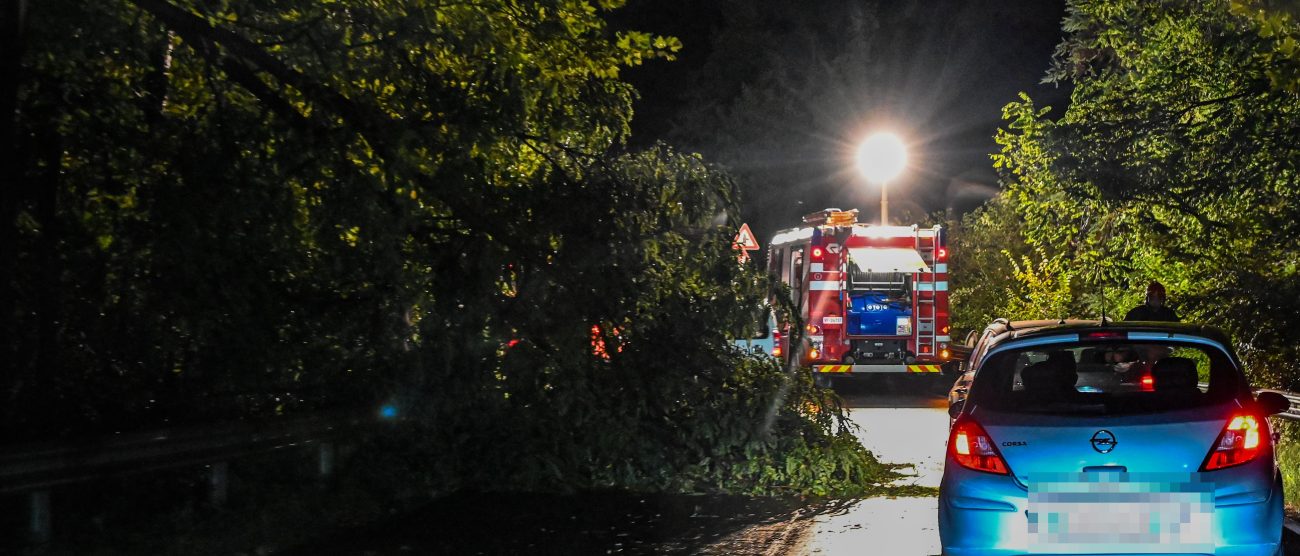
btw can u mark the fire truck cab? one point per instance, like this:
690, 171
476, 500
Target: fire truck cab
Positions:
874, 299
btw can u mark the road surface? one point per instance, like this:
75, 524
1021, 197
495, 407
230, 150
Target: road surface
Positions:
908, 424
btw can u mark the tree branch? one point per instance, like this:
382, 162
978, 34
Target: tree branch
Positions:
1203, 103
197, 29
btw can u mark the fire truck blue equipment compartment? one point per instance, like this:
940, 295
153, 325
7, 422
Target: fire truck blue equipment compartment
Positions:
875, 314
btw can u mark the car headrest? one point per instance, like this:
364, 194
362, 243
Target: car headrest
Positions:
1062, 359
1174, 374
1035, 376
1048, 376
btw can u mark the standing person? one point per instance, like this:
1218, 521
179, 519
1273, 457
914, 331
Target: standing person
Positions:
1154, 309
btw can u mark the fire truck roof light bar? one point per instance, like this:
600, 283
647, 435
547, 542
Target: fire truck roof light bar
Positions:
832, 217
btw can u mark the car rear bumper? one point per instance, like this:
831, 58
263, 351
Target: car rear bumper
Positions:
986, 515
1246, 550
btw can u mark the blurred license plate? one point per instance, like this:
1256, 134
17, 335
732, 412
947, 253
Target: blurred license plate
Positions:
1149, 513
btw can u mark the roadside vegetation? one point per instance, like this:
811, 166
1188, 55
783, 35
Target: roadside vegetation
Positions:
1175, 161
221, 211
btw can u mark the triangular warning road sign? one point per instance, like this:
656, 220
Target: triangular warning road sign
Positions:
745, 239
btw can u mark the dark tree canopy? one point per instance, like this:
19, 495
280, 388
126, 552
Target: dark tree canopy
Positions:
1176, 162
242, 210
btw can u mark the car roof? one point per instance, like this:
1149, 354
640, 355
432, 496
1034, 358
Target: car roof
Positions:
1012, 330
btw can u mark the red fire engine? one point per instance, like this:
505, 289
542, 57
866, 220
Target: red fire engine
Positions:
874, 298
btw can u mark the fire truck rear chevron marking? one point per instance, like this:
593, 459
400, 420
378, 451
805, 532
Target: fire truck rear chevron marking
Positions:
833, 368
923, 368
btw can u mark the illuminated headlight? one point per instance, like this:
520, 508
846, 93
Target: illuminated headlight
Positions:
904, 326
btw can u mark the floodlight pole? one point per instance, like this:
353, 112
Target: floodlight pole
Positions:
884, 203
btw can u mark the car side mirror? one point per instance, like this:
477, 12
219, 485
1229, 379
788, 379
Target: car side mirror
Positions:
955, 409
1272, 403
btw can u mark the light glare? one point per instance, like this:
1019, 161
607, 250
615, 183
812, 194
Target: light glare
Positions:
882, 157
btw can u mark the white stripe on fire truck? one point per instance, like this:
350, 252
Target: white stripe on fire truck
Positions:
940, 286
816, 267
942, 339
824, 285
940, 268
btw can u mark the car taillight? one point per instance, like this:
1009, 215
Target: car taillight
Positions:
776, 343
1242, 440
974, 449
1148, 383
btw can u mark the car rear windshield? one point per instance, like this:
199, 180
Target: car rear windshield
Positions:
1113, 377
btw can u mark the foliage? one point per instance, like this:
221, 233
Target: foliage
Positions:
1172, 163
247, 205
1287, 453
228, 210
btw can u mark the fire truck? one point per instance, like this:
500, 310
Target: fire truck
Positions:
874, 298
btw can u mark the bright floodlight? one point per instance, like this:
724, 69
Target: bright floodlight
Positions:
881, 157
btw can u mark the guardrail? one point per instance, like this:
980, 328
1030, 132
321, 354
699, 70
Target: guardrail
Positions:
36, 468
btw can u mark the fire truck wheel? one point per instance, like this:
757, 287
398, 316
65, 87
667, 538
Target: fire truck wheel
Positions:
823, 381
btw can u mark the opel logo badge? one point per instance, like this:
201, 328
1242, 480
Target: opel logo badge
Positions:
1103, 441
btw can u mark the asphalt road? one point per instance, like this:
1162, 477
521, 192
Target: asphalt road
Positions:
901, 419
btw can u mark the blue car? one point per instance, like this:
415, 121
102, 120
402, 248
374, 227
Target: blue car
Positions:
1111, 438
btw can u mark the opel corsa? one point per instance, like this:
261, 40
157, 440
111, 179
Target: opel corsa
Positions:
1091, 438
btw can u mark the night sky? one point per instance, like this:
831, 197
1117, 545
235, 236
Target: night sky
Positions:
780, 95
